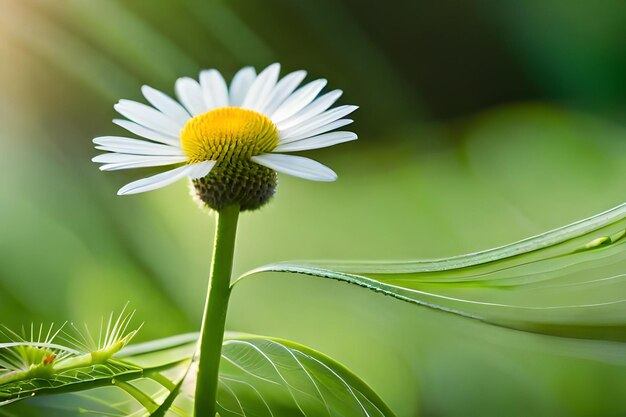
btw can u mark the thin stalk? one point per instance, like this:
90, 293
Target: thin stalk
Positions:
212, 334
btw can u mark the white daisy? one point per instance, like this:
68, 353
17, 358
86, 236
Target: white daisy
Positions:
252, 121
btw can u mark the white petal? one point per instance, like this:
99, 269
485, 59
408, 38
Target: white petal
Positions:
319, 105
148, 133
201, 169
298, 100
318, 131
214, 89
302, 130
316, 142
168, 106
260, 89
156, 181
283, 89
189, 93
107, 158
297, 166
133, 165
240, 85
135, 146
147, 116
115, 161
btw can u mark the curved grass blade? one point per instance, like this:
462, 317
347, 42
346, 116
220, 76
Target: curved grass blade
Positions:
568, 282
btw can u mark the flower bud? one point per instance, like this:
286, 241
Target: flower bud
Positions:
244, 183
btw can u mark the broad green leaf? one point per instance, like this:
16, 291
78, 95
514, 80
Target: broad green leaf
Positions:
259, 376
567, 282
264, 376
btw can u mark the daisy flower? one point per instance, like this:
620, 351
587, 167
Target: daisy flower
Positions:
228, 139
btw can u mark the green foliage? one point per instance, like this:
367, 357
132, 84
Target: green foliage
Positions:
259, 376
262, 376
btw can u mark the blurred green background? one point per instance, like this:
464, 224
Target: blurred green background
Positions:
480, 123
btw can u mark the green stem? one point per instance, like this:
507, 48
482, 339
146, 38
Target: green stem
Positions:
212, 335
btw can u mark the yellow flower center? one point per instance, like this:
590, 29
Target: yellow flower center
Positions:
229, 134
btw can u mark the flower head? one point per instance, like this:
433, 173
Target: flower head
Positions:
230, 140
